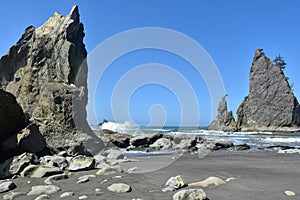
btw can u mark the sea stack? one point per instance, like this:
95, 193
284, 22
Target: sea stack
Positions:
46, 73
224, 120
271, 104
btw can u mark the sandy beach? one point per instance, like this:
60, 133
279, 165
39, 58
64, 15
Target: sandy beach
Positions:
257, 175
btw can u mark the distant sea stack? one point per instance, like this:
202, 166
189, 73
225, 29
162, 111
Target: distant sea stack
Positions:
270, 105
224, 120
46, 72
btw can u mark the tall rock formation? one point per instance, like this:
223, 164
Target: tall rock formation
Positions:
224, 120
271, 104
46, 71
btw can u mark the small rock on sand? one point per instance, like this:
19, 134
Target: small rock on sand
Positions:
66, 194
190, 194
119, 188
289, 193
174, 183
209, 181
43, 189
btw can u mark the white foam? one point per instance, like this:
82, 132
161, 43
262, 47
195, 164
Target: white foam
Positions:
283, 140
125, 127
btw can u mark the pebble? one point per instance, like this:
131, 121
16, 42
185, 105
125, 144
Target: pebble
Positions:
83, 197
42, 197
133, 169
67, 194
289, 193
98, 192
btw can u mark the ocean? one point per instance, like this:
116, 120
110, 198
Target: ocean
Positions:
257, 140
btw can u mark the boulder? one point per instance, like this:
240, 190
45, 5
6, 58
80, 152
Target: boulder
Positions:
12, 117
162, 143
81, 162
54, 161
145, 140
43, 189
6, 185
174, 183
190, 194
113, 154
120, 140
19, 163
224, 120
37, 171
46, 72
119, 188
106, 169
271, 104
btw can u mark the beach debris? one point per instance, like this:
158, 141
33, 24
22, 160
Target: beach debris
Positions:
241, 147
6, 185
82, 162
190, 194
119, 188
174, 183
67, 194
38, 171
106, 169
133, 169
56, 177
289, 193
12, 195
42, 197
43, 189
208, 181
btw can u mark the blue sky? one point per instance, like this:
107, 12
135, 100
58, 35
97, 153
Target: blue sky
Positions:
229, 31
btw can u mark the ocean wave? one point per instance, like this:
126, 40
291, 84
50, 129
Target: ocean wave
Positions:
283, 140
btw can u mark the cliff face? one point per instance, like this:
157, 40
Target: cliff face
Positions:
271, 104
224, 120
46, 71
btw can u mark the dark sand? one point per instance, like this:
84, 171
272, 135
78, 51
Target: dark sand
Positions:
258, 175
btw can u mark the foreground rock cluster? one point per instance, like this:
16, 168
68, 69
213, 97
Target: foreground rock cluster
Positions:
43, 91
270, 106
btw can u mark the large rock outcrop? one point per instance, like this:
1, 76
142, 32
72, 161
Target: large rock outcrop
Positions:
46, 71
271, 104
224, 120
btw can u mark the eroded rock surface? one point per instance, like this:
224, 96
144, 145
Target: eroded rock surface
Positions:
271, 104
46, 72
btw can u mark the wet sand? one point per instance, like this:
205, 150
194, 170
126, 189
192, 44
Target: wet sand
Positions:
258, 175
